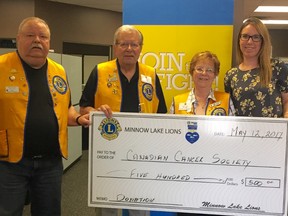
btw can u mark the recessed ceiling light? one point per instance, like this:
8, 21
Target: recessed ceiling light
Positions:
275, 22
277, 9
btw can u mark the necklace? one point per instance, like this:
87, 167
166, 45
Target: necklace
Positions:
202, 105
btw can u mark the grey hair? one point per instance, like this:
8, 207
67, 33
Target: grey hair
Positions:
127, 28
36, 19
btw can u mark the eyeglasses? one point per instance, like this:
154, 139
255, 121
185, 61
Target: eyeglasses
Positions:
124, 45
202, 70
255, 38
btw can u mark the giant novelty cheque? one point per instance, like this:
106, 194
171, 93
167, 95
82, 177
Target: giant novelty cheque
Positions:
177, 163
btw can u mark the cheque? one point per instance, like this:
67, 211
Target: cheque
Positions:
201, 164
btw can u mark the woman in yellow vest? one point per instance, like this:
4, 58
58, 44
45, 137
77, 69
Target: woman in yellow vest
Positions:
202, 99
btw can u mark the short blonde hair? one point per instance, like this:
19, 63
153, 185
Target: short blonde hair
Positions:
203, 56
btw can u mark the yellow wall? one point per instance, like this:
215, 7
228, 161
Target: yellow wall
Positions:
169, 50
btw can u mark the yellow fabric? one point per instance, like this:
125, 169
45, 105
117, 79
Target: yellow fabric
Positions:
109, 88
221, 104
14, 99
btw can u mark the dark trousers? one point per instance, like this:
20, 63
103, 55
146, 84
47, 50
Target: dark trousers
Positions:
41, 177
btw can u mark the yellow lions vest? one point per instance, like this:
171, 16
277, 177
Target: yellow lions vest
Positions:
109, 87
218, 107
14, 99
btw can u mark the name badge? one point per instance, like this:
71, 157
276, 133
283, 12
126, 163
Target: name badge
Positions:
215, 104
12, 89
182, 106
146, 79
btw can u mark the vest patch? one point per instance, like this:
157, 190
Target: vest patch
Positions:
219, 112
59, 84
147, 91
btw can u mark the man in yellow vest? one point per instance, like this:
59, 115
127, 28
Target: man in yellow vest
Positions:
34, 113
123, 85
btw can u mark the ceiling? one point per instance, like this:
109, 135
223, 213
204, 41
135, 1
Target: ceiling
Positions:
249, 7
112, 5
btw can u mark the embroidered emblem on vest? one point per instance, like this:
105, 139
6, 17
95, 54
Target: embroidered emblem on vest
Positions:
59, 84
147, 91
219, 112
109, 128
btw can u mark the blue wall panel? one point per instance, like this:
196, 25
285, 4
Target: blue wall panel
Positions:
178, 12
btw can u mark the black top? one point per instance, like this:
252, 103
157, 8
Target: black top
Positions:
41, 126
130, 98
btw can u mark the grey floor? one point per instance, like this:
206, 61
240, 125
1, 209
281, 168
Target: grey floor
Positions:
74, 190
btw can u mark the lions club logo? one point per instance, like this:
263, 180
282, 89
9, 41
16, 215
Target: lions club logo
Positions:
109, 128
147, 91
59, 84
219, 112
